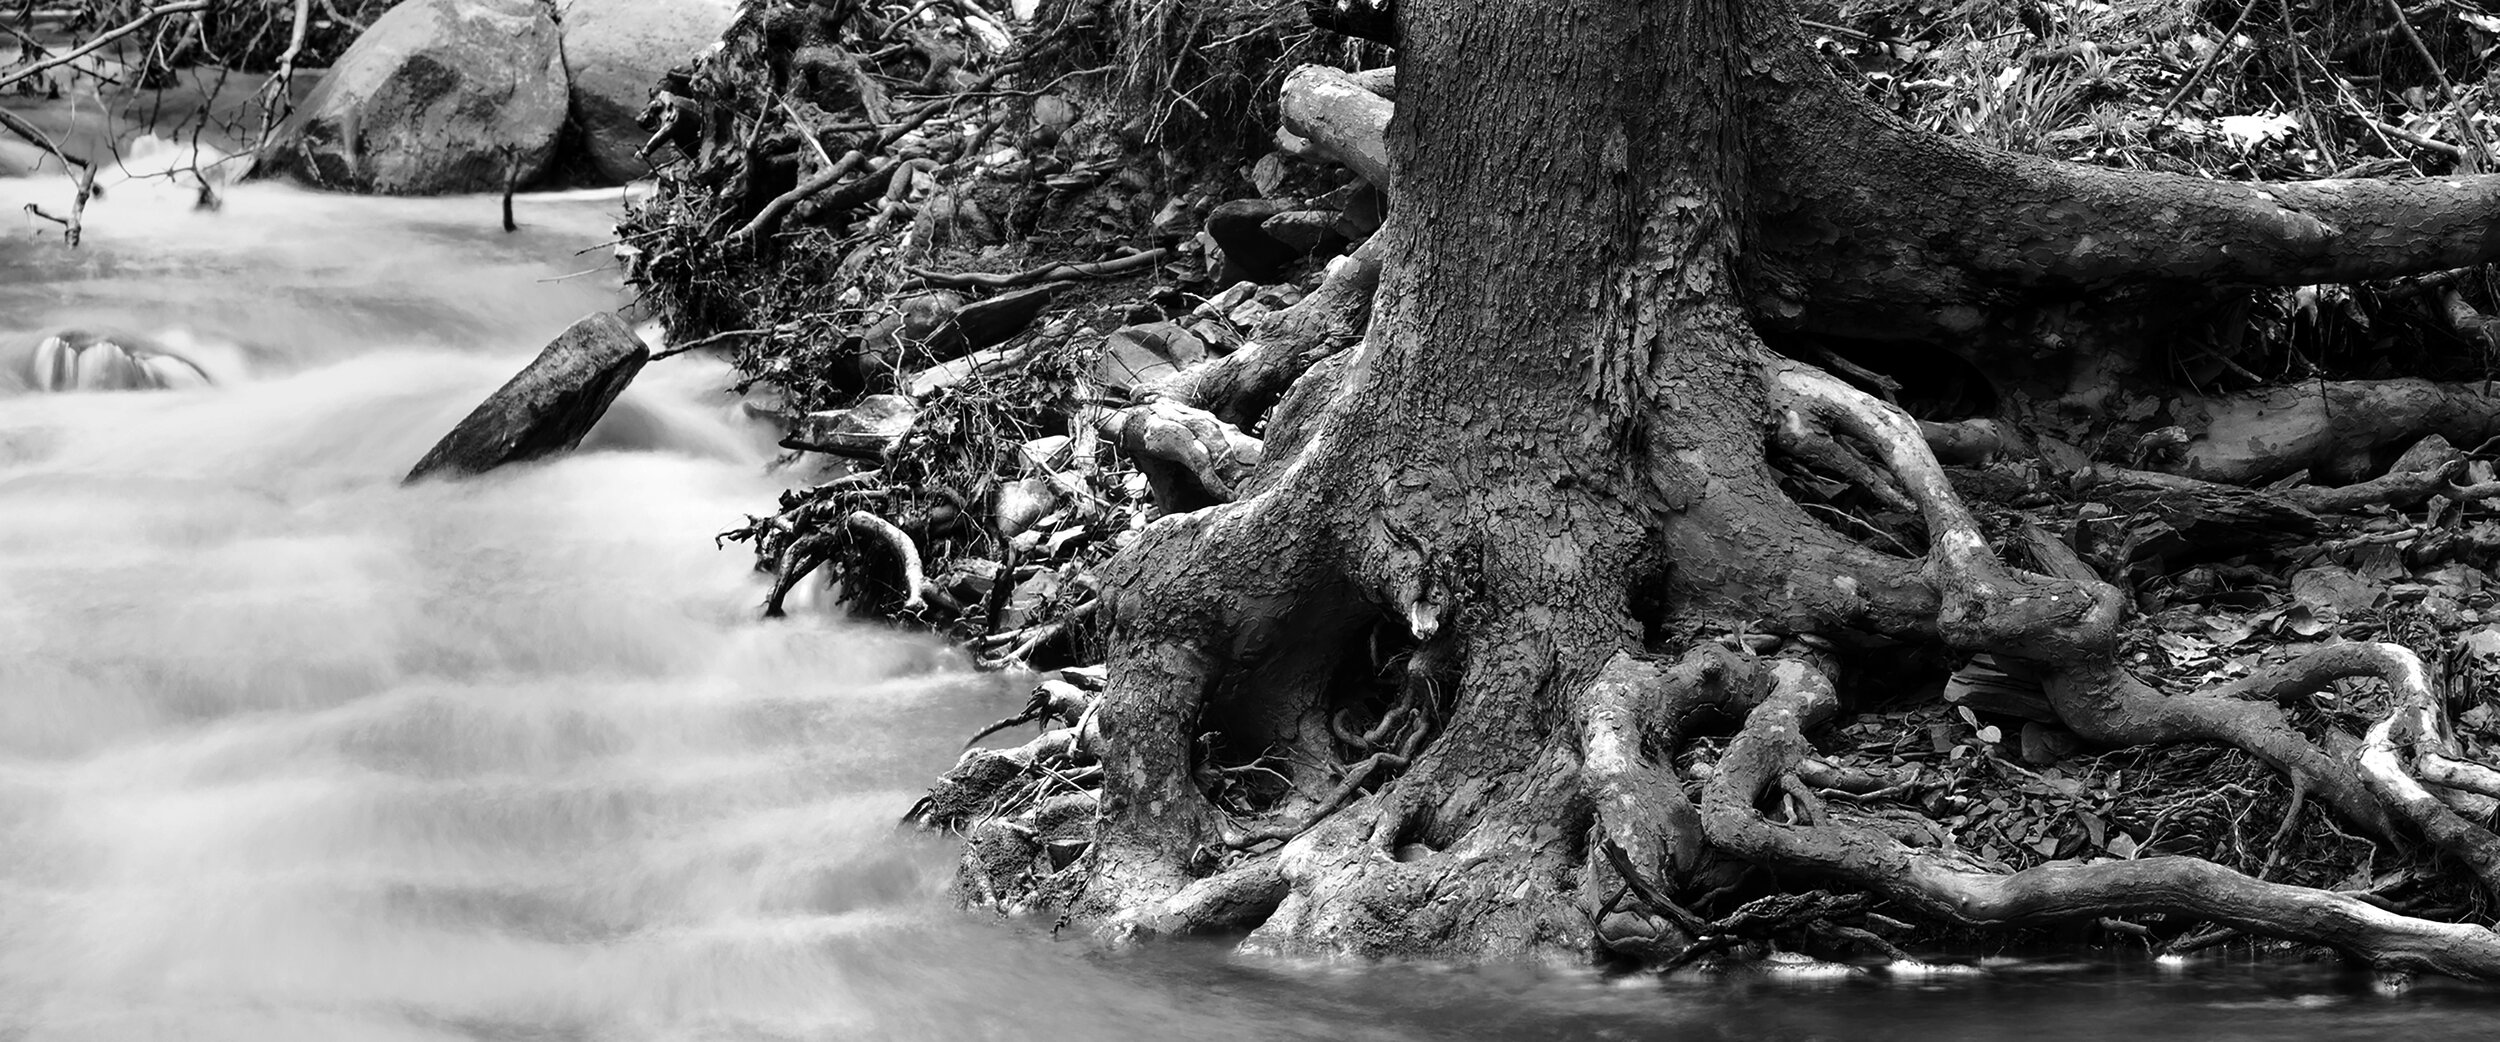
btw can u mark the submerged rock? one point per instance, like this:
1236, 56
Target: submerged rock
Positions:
547, 407
80, 360
439, 96
615, 50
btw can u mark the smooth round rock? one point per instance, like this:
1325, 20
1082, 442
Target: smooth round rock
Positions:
439, 97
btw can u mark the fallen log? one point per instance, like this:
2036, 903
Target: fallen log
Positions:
546, 408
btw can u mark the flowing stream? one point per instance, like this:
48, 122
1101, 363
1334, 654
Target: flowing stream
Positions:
289, 751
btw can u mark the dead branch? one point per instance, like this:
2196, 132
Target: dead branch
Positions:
144, 19
1045, 273
770, 217
278, 91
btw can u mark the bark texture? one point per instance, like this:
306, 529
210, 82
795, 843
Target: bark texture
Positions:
1416, 686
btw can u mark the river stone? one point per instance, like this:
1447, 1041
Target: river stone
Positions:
2334, 590
1142, 354
548, 406
986, 323
440, 96
1988, 684
868, 430
1249, 252
615, 51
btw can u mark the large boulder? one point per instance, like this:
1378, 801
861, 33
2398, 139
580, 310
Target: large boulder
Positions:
547, 407
615, 51
438, 96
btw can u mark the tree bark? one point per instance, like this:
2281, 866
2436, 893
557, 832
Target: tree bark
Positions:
1430, 622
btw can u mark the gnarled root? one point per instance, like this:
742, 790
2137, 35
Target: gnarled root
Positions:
2009, 614
1191, 459
1241, 387
810, 545
1645, 825
1773, 742
1513, 787
2068, 626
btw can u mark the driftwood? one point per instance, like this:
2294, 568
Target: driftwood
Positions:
103, 39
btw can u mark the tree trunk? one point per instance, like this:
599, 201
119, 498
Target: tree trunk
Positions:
1398, 699
1557, 376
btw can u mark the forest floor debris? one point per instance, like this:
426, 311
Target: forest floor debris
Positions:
994, 239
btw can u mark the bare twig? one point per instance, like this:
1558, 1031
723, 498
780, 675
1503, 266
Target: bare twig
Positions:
703, 342
1045, 273
511, 184
2447, 89
82, 171
278, 97
769, 218
2409, 137
2220, 46
144, 19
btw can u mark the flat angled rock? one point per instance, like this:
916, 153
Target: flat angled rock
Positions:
987, 323
547, 407
868, 430
1140, 354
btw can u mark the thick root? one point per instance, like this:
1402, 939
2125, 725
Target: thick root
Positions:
1645, 826
1240, 388
2342, 429
1191, 459
1773, 743
2068, 626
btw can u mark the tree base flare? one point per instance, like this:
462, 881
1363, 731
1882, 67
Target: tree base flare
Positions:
1482, 599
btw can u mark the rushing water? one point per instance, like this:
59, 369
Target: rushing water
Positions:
289, 751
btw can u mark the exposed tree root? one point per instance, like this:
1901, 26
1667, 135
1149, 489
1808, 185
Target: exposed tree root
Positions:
1413, 672
1240, 388
1191, 458
802, 553
1773, 741
1342, 118
2346, 429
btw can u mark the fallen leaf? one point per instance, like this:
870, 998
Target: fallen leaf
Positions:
2227, 631
2251, 131
2300, 620
2094, 830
